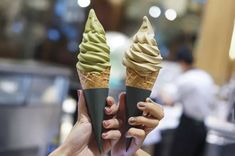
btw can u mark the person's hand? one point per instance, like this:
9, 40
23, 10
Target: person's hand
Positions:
152, 114
111, 135
81, 141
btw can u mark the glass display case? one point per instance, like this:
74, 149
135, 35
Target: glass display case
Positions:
31, 95
31, 83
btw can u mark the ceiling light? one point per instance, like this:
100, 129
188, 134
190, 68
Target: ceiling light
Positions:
154, 11
171, 14
83, 3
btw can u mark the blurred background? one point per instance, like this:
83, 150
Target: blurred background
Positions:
38, 80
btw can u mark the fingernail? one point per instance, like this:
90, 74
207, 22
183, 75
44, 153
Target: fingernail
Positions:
106, 123
108, 110
110, 99
131, 120
150, 100
104, 135
78, 92
128, 136
122, 93
141, 104
119, 96
145, 113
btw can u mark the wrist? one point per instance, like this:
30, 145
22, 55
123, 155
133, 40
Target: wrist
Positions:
140, 152
62, 150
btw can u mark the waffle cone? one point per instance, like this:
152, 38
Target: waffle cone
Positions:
90, 80
133, 79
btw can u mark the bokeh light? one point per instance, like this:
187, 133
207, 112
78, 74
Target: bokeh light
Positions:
171, 14
83, 3
154, 11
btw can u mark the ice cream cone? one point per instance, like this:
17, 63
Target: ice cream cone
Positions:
138, 88
95, 88
93, 69
146, 82
90, 80
142, 63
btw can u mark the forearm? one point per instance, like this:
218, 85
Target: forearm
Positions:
140, 152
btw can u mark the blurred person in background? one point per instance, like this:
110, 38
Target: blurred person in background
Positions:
195, 91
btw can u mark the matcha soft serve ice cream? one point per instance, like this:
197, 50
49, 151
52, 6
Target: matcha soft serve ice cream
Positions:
94, 69
94, 57
94, 51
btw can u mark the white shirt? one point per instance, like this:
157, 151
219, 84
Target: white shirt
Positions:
195, 89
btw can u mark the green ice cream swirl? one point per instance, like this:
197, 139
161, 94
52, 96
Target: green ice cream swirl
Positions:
94, 53
143, 56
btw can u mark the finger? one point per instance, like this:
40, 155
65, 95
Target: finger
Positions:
81, 101
148, 130
111, 110
112, 134
159, 107
82, 110
141, 120
121, 110
111, 124
151, 108
138, 134
110, 101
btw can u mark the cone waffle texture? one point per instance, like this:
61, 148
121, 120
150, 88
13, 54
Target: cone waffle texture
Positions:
144, 82
94, 80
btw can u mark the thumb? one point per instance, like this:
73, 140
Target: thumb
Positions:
121, 110
82, 109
